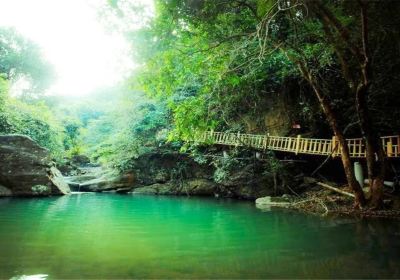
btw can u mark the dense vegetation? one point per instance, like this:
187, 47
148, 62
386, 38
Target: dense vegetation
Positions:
252, 66
237, 54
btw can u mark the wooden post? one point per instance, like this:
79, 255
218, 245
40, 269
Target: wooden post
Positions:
389, 148
398, 146
266, 139
333, 146
305, 145
297, 144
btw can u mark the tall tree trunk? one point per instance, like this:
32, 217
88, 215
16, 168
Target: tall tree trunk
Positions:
332, 120
374, 150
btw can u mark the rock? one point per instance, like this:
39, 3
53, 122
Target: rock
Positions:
161, 189
57, 179
5, 191
99, 179
163, 167
26, 169
68, 169
186, 187
269, 201
95, 185
247, 182
161, 176
199, 187
124, 181
145, 190
80, 160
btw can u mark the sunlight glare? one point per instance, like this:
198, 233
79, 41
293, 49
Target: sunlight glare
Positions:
83, 53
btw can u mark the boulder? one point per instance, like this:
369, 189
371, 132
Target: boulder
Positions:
96, 185
68, 169
98, 179
268, 201
26, 169
80, 160
199, 187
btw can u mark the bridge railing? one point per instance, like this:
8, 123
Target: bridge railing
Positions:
298, 145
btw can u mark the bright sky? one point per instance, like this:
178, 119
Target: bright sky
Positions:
85, 55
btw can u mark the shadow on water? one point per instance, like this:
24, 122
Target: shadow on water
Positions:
124, 236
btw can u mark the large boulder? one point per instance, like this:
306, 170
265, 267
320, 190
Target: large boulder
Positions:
26, 169
99, 179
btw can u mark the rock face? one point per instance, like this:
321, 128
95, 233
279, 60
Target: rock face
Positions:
200, 187
163, 167
26, 169
177, 174
171, 173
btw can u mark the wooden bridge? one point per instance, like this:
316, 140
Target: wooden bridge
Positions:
298, 145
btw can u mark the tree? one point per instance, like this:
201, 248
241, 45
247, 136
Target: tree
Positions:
21, 58
351, 45
223, 59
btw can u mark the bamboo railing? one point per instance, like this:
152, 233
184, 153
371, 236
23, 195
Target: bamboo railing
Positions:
298, 145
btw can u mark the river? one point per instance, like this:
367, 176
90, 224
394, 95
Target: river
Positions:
133, 236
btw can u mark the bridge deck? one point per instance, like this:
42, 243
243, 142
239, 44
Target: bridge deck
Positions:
298, 145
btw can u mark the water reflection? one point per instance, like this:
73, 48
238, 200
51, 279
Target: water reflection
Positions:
114, 236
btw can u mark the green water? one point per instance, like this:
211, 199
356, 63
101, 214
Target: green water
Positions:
128, 236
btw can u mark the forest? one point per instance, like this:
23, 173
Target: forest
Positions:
239, 66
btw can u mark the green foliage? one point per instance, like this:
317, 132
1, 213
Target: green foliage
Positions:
273, 165
190, 116
132, 126
264, 6
202, 59
224, 167
36, 121
20, 58
40, 189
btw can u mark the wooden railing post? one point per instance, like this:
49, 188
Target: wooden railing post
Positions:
297, 144
389, 148
398, 147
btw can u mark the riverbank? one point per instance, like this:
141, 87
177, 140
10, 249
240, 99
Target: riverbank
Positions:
178, 174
